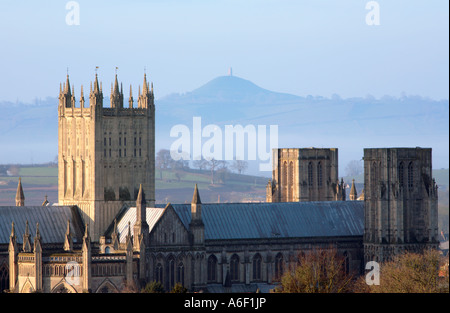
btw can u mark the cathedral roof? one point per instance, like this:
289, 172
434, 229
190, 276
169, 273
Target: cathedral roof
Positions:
52, 222
266, 220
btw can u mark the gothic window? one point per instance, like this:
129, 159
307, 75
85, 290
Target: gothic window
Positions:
171, 272
109, 152
104, 141
346, 263
310, 174
180, 273
109, 140
4, 278
410, 175
212, 268
120, 141
159, 273
120, 152
124, 152
319, 174
257, 267
135, 152
234, 268
284, 180
125, 141
104, 153
140, 152
401, 174
291, 181
140, 141
134, 140
279, 267
373, 176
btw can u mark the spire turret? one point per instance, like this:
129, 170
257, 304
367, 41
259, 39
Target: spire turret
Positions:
20, 197
353, 194
26, 246
68, 243
96, 94
145, 99
66, 98
130, 101
116, 95
196, 196
196, 226
141, 229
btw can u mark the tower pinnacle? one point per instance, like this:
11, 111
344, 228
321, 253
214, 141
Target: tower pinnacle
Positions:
20, 197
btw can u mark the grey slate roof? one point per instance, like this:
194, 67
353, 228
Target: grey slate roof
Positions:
52, 222
266, 220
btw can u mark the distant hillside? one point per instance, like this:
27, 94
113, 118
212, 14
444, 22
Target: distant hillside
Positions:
175, 186
29, 132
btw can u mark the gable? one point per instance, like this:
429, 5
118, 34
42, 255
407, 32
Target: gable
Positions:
164, 224
169, 230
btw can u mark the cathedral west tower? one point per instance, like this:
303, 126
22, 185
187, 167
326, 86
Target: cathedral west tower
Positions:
400, 202
105, 153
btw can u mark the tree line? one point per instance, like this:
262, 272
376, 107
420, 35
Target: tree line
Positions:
218, 169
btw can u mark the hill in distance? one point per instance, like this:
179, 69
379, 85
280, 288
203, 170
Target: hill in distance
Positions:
29, 132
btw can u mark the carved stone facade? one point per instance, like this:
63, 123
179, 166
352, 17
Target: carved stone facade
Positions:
104, 154
400, 202
308, 174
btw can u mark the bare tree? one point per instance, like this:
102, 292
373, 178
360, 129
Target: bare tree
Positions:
354, 168
214, 165
163, 160
240, 166
200, 164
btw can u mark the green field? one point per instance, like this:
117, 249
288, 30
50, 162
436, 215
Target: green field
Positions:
176, 186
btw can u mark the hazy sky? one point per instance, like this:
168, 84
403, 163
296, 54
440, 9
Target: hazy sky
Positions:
315, 47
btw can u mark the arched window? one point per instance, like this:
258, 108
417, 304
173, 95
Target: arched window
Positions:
279, 266
291, 181
373, 176
257, 260
310, 174
346, 263
180, 273
4, 278
171, 272
319, 174
212, 268
234, 268
284, 181
401, 174
410, 175
159, 273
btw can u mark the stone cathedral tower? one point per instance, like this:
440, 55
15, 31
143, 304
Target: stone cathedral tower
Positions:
105, 154
400, 202
307, 174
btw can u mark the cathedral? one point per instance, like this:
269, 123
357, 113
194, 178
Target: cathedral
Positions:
107, 235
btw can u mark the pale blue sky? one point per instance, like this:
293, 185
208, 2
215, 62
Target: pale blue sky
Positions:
315, 47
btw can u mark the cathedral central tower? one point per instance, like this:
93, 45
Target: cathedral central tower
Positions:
105, 154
